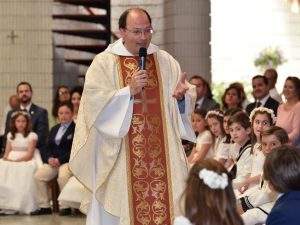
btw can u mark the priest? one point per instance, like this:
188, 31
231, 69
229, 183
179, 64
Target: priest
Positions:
127, 148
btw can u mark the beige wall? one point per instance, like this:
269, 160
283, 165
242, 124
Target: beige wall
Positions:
29, 58
181, 28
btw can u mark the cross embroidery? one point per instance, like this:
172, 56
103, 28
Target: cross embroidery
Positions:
144, 101
12, 36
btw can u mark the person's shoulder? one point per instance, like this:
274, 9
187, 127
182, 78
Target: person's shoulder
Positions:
32, 136
272, 101
164, 54
251, 104
55, 127
210, 103
103, 55
297, 107
35, 107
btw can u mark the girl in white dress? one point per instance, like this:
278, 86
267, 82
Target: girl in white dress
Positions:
20, 160
204, 143
257, 204
214, 119
261, 119
208, 197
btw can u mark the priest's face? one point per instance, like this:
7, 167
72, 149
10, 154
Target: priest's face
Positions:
138, 32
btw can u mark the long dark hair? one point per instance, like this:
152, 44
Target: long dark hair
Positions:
13, 128
207, 206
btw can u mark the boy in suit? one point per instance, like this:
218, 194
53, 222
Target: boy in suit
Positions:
282, 171
57, 154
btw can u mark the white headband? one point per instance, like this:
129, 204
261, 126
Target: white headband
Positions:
263, 110
214, 112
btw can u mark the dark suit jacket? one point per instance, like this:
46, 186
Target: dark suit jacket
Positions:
286, 210
271, 103
208, 104
40, 125
63, 150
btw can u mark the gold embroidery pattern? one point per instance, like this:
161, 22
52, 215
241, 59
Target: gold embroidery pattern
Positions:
148, 169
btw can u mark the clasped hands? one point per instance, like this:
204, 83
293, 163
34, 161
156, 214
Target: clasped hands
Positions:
139, 80
54, 162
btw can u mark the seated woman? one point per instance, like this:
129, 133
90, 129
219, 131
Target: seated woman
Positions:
17, 167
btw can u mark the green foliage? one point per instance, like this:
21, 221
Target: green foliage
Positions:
269, 58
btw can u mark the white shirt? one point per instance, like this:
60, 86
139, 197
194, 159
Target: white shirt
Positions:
27, 108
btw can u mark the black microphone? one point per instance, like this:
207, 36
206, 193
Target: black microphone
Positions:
142, 55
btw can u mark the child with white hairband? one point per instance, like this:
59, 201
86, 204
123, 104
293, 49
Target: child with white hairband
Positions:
261, 118
214, 119
208, 197
18, 165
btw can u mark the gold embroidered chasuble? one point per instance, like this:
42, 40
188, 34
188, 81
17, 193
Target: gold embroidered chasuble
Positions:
150, 195
154, 136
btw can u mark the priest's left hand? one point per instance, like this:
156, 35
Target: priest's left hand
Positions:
181, 87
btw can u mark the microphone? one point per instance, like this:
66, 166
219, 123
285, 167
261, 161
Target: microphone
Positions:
142, 55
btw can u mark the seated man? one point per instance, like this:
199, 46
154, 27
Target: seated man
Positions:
261, 95
57, 153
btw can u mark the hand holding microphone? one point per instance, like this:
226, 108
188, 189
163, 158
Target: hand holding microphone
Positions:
140, 78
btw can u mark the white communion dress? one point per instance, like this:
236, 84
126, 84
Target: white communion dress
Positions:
17, 185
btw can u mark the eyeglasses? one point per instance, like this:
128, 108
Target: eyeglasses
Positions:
63, 92
139, 32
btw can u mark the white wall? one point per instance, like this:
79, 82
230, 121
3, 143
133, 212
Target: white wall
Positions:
242, 28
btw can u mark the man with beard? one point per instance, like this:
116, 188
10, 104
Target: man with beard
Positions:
261, 95
38, 115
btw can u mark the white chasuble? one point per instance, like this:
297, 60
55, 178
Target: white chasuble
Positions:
99, 157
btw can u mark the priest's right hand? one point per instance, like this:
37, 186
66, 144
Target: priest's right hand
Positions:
139, 79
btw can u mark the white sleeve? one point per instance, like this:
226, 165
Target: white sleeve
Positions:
115, 119
206, 138
33, 136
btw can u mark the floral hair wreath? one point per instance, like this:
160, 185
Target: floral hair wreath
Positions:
213, 179
263, 110
214, 112
22, 112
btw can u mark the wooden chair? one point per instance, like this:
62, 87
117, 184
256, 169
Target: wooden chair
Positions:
54, 194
